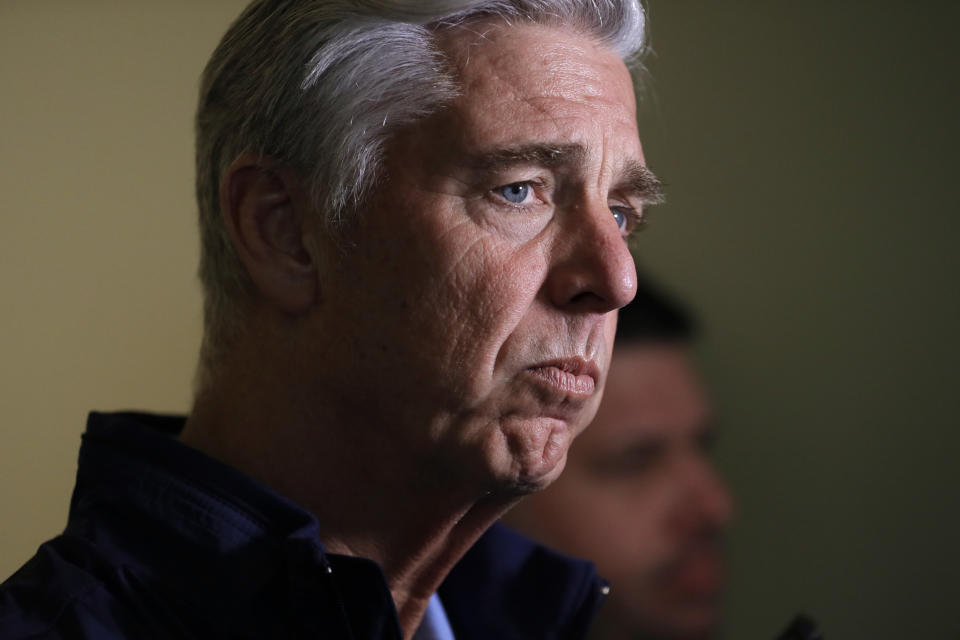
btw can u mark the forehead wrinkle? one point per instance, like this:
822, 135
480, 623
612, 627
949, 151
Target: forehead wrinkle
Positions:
571, 71
574, 73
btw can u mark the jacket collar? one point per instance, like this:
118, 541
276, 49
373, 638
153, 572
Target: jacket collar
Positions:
240, 540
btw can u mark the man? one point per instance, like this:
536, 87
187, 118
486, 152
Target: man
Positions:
413, 226
639, 494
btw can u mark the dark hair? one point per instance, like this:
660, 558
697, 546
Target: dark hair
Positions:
654, 316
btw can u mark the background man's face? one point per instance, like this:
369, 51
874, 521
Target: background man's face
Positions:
640, 498
470, 323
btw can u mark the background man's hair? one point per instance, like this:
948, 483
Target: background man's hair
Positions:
321, 85
653, 316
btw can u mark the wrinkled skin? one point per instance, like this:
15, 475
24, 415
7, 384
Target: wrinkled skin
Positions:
445, 319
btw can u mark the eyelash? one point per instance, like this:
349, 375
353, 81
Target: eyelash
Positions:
535, 186
636, 220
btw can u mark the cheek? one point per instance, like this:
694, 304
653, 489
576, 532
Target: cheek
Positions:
615, 528
631, 539
484, 295
610, 331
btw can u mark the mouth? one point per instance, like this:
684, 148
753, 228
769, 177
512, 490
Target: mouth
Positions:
568, 378
698, 574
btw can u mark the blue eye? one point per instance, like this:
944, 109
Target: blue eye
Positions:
622, 216
516, 192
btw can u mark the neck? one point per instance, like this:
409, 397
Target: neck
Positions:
370, 499
417, 552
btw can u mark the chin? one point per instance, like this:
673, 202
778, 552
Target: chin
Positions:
542, 478
680, 625
533, 468
517, 455
655, 616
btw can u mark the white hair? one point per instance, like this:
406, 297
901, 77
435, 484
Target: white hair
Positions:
321, 85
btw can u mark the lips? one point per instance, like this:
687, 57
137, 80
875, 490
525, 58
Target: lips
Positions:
698, 573
568, 377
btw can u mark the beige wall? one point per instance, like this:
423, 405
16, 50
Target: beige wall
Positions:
100, 307
809, 149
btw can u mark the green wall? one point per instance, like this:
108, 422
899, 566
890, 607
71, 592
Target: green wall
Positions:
810, 151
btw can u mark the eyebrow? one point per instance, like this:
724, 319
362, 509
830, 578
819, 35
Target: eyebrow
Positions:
635, 177
644, 184
549, 156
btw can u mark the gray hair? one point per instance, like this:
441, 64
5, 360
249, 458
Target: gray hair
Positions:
321, 85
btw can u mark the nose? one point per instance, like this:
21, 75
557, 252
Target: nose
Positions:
592, 270
706, 502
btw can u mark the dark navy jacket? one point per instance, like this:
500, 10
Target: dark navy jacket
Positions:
165, 542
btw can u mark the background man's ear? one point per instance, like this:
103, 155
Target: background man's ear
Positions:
266, 214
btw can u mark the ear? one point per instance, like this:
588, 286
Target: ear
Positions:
266, 212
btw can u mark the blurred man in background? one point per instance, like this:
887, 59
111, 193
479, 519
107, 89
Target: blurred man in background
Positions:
639, 495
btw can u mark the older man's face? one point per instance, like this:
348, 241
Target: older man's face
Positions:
471, 324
